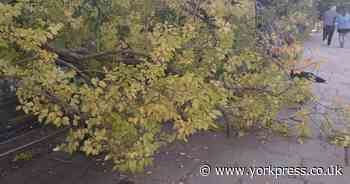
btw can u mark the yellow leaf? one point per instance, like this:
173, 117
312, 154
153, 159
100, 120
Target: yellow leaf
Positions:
67, 13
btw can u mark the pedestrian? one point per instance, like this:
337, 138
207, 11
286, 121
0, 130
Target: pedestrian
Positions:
329, 24
343, 25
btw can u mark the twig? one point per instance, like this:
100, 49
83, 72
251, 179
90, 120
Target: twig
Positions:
263, 90
26, 59
81, 73
306, 66
328, 107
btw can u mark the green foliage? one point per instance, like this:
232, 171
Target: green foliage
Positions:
119, 72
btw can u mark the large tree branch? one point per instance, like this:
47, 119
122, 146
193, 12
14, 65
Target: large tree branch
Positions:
85, 77
62, 53
59, 61
199, 13
70, 56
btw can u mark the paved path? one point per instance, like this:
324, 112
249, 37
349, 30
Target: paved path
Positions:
180, 163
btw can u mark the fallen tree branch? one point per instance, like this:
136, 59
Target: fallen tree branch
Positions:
70, 56
27, 59
199, 13
85, 78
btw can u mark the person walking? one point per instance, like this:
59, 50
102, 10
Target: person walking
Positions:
329, 24
342, 22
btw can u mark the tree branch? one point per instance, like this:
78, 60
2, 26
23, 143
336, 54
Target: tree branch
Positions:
68, 109
85, 77
27, 59
70, 56
199, 13
259, 89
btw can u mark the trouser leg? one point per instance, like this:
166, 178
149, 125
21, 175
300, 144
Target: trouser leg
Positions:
330, 34
324, 32
344, 36
341, 39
